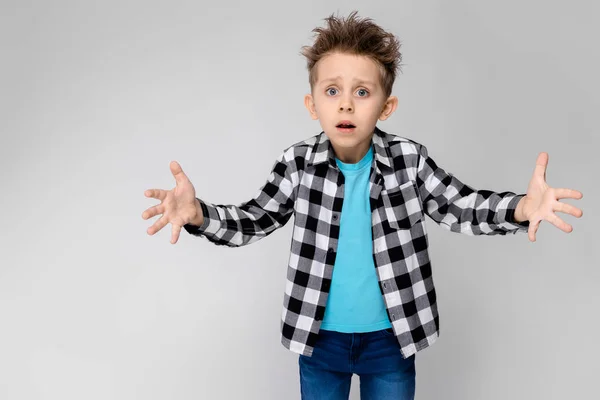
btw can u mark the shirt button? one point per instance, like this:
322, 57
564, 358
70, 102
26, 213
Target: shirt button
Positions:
335, 217
393, 316
385, 285
330, 250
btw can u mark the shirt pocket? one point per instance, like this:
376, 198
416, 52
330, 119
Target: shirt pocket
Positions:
402, 206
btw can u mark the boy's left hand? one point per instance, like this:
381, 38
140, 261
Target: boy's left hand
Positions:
541, 201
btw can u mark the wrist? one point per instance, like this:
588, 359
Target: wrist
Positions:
518, 215
199, 218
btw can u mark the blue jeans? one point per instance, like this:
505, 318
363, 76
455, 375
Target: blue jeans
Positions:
374, 356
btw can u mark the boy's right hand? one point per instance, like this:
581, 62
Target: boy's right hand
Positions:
178, 205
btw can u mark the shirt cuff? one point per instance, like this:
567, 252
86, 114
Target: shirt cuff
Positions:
509, 216
211, 223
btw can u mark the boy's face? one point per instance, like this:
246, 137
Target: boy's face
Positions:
348, 90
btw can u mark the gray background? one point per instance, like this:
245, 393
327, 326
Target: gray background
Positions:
97, 98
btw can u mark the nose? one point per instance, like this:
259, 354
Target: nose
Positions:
346, 104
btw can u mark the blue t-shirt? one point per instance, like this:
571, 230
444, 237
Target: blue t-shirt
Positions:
355, 302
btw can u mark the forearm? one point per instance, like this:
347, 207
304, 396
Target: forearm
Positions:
462, 209
239, 225
482, 212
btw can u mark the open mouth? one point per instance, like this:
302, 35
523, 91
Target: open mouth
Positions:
345, 126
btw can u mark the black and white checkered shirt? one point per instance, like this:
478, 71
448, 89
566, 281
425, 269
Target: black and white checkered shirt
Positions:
405, 184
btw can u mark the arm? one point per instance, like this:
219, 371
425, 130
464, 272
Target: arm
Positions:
459, 208
248, 222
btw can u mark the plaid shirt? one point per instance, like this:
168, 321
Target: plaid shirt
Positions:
405, 183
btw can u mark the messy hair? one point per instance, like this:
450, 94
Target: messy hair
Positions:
358, 37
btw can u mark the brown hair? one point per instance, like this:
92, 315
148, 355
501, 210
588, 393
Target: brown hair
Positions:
359, 37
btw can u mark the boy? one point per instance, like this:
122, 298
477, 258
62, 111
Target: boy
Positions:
359, 296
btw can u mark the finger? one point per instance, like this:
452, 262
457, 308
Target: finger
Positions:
158, 225
156, 193
177, 171
175, 230
562, 193
568, 209
533, 228
530, 233
152, 211
559, 223
541, 165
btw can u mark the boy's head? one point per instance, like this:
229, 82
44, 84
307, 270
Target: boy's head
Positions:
352, 67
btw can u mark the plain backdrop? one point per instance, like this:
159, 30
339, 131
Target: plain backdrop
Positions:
96, 98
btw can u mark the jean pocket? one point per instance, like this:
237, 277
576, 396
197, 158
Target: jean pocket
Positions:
389, 332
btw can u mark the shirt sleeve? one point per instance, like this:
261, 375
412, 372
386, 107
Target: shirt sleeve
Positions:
269, 209
459, 208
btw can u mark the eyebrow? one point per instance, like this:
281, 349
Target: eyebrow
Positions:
360, 81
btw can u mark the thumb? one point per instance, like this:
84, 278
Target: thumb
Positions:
541, 164
180, 176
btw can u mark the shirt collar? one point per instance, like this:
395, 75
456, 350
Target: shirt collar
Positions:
322, 151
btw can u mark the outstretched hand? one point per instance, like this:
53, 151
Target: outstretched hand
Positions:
541, 201
178, 205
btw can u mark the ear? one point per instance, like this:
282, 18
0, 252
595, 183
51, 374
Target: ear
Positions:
389, 107
310, 106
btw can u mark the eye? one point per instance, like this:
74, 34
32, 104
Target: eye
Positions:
328, 91
362, 92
